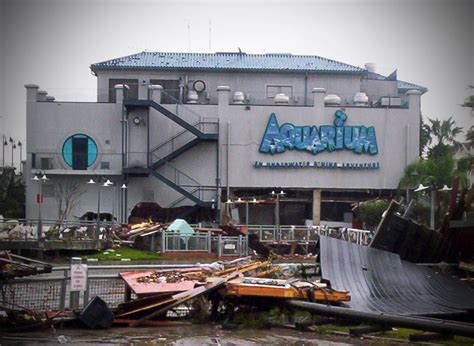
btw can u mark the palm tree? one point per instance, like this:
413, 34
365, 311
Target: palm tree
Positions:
443, 133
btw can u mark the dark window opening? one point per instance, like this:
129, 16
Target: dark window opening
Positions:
132, 92
170, 93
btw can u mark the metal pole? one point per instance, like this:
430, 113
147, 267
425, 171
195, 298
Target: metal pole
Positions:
429, 324
3, 150
40, 221
247, 215
98, 211
433, 201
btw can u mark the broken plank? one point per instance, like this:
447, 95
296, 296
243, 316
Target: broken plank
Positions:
188, 295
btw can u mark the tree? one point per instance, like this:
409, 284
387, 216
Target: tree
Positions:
66, 193
443, 135
12, 194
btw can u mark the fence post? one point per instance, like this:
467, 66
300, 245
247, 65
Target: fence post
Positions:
209, 242
62, 299
163, 241
240, 245
74, 296
219, 245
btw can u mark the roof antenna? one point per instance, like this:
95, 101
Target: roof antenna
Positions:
210, 32
240, 50
189, 36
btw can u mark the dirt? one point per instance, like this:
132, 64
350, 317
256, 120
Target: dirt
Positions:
208, 334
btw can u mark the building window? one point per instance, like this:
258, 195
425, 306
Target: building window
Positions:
132, 92
105, 165
273, 90
170, 93
79, 151
46, 163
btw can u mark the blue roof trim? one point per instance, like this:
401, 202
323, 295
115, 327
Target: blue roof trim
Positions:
403, 86
226, 61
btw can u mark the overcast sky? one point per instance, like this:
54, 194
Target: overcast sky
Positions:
52, 42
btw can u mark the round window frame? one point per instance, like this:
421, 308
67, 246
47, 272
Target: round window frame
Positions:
88, 137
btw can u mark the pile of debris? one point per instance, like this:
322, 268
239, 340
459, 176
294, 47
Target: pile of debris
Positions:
162, 292
12, 266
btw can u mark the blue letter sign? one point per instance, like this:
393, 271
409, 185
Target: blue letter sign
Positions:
359, 139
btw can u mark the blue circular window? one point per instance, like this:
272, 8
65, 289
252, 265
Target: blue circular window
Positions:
79, 151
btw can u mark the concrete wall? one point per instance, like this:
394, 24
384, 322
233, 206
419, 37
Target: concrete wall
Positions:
254, 84
49, 124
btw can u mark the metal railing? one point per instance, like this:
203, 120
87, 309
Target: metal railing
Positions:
52, 229
287, 233
204, 242
54, 293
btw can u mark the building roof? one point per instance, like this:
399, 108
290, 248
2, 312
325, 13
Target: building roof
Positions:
403, 86
226, 61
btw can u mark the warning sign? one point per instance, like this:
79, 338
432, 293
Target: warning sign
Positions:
78, 277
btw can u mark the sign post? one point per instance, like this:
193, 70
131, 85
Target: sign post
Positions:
78, 281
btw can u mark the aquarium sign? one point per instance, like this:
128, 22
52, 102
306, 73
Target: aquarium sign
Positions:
359, 139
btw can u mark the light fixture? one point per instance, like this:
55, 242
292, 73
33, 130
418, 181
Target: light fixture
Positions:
44, 177
421, 187
228, 201
91, 181
124, 186
108, 182
445, 188
35, 178
282, 193
273, 192
254, 200
137, 121
239, 200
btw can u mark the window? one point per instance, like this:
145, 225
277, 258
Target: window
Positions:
79, 151
46, 163
33, 160
132, 92
170, 93
105, 165
273, 90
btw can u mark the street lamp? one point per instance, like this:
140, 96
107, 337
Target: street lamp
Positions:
39, 200
277, 211
106, 184
421, 187
4, 144
20, 145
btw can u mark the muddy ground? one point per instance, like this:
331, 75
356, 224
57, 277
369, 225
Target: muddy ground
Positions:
208, 334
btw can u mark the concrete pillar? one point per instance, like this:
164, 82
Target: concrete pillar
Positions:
316, 206
31, 92
414, 100
223, 95
318, 98
142, 89
42, 95
154, 93
121, 91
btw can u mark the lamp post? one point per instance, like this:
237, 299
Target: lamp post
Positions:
421, 187
277, 211
4, 144
106, 184
39, 200
20, 145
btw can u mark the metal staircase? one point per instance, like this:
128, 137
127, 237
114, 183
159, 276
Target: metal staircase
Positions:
193, 133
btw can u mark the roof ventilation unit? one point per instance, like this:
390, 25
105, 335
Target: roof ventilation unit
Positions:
332, 100
281, 99
192, 96
361, 99
239, 98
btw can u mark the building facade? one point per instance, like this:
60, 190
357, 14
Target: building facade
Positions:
197, 130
